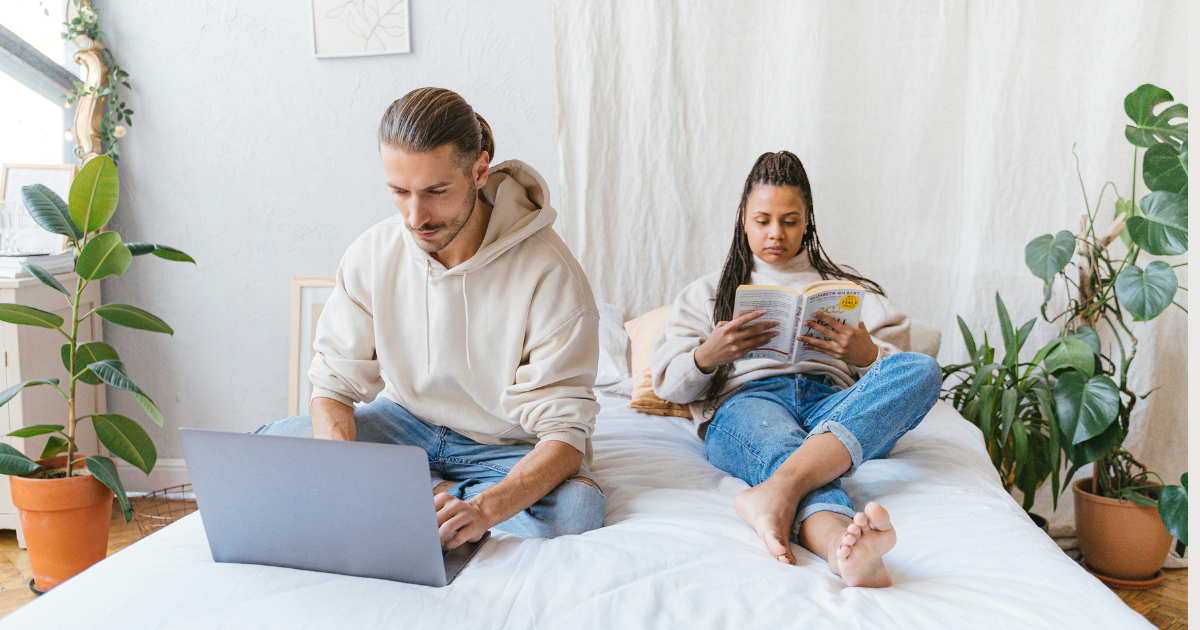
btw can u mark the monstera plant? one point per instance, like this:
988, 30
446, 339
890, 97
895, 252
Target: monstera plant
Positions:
1072, 402
99, 254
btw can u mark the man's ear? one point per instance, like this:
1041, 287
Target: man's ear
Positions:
480, 170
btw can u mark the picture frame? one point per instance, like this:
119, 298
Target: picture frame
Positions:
359, 28
308, 299
56, 177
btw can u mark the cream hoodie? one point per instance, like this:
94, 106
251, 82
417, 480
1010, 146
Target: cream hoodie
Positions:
673, 362
502, 348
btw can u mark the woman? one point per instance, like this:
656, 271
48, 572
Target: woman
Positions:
791, 430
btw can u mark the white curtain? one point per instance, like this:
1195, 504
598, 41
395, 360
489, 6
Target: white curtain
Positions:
937, 136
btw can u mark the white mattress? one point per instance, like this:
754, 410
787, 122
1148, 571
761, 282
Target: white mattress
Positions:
673, 553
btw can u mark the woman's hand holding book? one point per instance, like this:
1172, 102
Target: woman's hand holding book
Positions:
731, 341
852, 345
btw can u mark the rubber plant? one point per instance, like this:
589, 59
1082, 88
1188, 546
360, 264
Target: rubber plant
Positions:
99, 254
1107, 292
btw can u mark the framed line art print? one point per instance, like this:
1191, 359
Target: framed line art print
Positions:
356, 28
56, 177
308, 299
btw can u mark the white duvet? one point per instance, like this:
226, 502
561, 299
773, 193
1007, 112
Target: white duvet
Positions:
673, 554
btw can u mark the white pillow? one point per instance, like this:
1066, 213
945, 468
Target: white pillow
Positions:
925, 338
614, 346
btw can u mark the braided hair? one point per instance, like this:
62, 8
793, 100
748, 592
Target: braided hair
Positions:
770, 169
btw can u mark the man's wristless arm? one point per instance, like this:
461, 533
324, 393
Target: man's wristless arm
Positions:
332, 420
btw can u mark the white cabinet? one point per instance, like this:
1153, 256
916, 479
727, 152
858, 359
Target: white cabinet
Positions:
31, 353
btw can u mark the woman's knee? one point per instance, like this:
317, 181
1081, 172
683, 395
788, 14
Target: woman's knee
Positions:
920, 371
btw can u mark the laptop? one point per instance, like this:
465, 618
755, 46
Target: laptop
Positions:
352, 508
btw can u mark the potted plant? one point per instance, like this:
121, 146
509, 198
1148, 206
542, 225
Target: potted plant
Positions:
65, 498
1125, 514
1008, 401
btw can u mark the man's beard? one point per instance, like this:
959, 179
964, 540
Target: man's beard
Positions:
450, 229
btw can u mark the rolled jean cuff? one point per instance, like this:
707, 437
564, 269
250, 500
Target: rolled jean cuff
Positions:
813, 508
847, 439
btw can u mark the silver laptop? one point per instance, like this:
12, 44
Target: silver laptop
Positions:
352, 508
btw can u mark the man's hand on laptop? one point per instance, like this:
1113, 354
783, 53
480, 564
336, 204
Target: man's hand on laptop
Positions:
459, 521
540, 471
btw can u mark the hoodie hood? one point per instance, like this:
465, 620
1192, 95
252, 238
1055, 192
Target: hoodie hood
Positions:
520, 207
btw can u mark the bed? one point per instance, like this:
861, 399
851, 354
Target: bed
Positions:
673, 554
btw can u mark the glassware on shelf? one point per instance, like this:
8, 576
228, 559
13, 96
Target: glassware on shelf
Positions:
14, 219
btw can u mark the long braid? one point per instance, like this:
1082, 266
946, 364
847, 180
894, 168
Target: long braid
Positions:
770, 169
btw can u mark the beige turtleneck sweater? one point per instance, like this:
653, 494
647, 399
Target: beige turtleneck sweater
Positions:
673, 362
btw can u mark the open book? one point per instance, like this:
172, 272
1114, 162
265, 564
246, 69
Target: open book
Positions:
840, 299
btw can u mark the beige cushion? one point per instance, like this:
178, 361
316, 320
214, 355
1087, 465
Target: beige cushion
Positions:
925, 339
643, 332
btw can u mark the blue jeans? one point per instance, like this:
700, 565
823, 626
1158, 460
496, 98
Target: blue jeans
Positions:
764, 422
573, 507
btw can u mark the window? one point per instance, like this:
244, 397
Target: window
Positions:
33, 128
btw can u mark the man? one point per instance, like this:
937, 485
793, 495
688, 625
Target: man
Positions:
483, 323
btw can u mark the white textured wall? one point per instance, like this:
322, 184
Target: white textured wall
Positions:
260, 161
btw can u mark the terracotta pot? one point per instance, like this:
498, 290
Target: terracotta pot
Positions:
65, 522
1119, 538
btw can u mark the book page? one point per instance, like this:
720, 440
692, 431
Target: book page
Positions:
780, 306
843, 304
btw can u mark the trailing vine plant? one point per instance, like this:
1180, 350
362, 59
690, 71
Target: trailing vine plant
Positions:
85, 23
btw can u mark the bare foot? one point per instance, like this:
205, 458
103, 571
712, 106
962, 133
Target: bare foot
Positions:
770, 511
860, 554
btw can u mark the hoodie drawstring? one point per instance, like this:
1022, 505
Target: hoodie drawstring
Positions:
426, 297
467, 329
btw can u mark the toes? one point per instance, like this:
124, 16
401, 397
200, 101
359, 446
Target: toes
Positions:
861, 520
853, 528
879, 517
843, 552
849, 539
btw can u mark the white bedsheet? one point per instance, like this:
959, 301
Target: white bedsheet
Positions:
673, 554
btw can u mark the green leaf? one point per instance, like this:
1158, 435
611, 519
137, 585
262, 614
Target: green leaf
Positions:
14, 462
50, 211
132, 317
1147, 293
104, 255
94, 193
1124, 210
126, 439
35, 430
45, 277
1148, 129
1045, 351
1135, 497
1088, 335
1162, 229
968, 338
981, 378
987, 409
1072, 353
1021, 449
1173, 509
1100, 446
112, 372
55, 446
29, 316
1164, 170
105, 471
86, 354
1047, 255
1085, 406
1008, 409
9, 393
162, 251
1023, 335
1006, 328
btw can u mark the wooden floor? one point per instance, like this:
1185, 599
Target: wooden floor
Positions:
1164, 605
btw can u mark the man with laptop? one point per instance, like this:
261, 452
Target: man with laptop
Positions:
483, 323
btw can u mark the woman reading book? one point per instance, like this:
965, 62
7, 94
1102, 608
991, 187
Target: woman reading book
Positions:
791, 430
